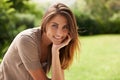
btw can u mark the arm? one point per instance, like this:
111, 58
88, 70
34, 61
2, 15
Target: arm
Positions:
28, 52
38, 74
57, 71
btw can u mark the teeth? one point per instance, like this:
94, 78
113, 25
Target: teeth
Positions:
58, 38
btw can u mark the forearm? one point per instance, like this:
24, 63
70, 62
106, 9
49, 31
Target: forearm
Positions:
38, 74
57, 73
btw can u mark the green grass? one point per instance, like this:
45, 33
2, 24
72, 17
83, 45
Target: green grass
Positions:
99, 59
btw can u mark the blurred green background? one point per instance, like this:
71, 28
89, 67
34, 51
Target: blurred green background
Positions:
99, 30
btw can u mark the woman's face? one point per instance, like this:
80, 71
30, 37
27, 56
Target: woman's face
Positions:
57, 29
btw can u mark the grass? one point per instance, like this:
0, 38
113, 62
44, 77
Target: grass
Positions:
99, 59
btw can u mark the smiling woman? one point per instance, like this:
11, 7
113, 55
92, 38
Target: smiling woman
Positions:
35, 51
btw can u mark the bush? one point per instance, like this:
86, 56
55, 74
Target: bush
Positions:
6, 20
114, 23
13, 21
95, 17
87, 25
90, 26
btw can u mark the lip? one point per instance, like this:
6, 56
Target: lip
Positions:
57, 38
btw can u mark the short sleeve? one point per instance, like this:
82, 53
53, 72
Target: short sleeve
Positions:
28, 52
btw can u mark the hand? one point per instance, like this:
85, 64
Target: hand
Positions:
63, 44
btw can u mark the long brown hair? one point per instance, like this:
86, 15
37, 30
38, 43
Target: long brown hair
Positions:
67, 52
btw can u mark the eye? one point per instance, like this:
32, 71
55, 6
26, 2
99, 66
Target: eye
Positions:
65, 27
54, 26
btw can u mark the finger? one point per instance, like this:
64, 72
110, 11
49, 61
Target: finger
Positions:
69, 38
67, 41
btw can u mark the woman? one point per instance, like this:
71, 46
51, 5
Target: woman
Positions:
34, 51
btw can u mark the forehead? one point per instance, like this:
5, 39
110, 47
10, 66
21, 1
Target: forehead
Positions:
59, 19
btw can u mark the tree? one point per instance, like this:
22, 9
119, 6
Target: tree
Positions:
15, 15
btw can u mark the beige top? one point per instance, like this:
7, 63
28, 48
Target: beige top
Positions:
22, 55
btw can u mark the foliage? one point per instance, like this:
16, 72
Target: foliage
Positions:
15, 16
97, 17
6, 20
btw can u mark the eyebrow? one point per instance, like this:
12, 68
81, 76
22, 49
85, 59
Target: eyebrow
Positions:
55, 23
58, 24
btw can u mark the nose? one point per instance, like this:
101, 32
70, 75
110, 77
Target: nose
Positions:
59, 33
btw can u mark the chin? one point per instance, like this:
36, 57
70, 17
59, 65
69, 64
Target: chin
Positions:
56, 43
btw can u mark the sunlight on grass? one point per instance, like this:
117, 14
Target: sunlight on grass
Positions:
99, 59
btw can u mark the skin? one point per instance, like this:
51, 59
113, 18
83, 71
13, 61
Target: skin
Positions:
57, 34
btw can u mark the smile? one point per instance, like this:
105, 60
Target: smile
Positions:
58, 38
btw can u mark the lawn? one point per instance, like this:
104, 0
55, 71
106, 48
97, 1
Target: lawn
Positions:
99, 59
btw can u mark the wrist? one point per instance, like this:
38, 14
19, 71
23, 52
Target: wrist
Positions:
55, 48
55, 51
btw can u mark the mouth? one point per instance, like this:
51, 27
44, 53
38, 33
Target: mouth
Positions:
59, 39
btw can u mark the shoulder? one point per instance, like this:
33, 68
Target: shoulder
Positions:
29, 35
30, 31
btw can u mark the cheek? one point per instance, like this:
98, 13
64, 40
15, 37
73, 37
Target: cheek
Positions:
66, 33
49, 33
